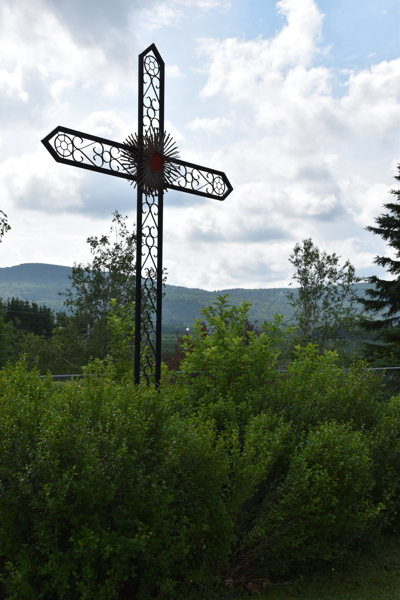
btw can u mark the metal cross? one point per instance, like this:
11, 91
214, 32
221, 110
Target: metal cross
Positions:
151, 162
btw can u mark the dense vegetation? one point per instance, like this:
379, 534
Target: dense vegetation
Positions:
232, 473
67, 351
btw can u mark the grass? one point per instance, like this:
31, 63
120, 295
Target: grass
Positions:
372, 574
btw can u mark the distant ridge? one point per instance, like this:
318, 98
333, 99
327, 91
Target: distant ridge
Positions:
38, 273
36, 282
41, 283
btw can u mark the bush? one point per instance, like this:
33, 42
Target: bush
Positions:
229, 366
102, 487
385, 450
315, 506
111, 490
315, 389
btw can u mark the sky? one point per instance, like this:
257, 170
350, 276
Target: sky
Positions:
297, 101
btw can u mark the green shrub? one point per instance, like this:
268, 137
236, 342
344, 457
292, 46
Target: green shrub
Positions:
110, 490
385, 450
319, 507
315, 389
228, 367
102, 487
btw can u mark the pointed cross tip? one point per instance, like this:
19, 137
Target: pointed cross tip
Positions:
152, 48
48, 137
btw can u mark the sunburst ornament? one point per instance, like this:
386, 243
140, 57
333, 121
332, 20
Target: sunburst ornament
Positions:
150, 161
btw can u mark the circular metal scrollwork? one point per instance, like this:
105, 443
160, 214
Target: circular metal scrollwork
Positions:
64, 145
151, 161
151, 66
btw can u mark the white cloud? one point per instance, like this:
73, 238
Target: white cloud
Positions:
171, 13
105, 124
179, 138
173, 71
162, 15
242, 68
394, 166
58, 87
372, 104
298, 100
32, 40
209, 126
302, 147
205, 4
287, 161
11, 83
365, 200
31, 182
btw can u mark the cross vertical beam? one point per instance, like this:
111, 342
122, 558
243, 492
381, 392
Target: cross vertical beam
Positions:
150, 206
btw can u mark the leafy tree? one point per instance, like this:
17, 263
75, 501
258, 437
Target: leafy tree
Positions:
110, 490
4, 226
110, 275
325, 302
385, 295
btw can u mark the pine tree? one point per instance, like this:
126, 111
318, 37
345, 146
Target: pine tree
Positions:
28, 316
5, 337
385, 296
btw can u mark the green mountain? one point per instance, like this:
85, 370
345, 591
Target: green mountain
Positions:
41, 283
36, 282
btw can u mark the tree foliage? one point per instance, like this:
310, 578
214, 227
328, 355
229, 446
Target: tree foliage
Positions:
4, 225
325, 303
110, 276
29, 316
385, 295
112, 490
6, 336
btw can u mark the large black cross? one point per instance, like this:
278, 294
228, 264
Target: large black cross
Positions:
150, 161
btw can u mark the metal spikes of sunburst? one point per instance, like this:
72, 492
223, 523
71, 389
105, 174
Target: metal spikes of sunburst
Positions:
150, 161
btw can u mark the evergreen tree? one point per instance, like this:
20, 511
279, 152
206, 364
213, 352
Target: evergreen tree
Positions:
29, 316
385, 295
5, 337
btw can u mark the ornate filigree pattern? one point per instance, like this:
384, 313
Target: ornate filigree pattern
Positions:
150, 267
201, 181
152, 73
152, 152
133, 160
88, 152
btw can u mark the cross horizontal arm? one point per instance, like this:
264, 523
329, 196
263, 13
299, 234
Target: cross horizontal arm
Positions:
94, 153
201, 181
87, 151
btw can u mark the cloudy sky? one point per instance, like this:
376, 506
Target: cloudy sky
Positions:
296, 100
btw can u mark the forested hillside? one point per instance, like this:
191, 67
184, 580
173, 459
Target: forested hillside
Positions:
37, 282
41, 283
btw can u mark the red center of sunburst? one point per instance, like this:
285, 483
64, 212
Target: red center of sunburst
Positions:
156, 162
